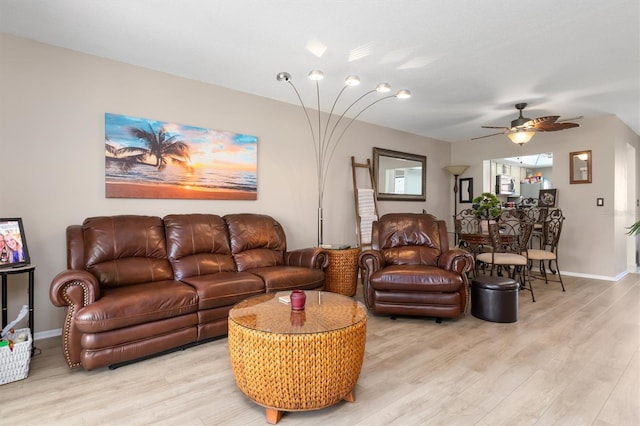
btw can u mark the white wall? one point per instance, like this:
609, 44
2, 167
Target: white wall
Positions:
52, 105
593, 241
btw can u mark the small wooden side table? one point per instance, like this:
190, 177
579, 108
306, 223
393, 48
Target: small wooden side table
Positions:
341, 276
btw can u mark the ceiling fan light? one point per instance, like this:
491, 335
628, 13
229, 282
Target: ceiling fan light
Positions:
520, 137
316, 75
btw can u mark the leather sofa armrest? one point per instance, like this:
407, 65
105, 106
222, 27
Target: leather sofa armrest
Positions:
457, 260
73, 289
312, 257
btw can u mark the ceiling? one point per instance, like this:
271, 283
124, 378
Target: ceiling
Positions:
465, 62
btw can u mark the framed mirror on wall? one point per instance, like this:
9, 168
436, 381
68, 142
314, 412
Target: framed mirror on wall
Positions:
466, 190
580, 167
399, 176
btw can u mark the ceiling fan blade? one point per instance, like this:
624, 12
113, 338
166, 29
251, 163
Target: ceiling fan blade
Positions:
486, 136
549, 123
577, 117
553, 127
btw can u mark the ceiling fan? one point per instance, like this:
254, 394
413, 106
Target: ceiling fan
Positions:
522, 128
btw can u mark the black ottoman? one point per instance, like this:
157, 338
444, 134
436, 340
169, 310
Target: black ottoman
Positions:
494, 299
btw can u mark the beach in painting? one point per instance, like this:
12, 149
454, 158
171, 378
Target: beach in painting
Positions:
153, 159
160, 190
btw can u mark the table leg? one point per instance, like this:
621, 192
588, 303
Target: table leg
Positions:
31, 316
351, 396
4, 300
273, 416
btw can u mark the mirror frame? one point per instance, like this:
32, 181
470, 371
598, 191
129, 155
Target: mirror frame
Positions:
466, 190
572, 159
385, 196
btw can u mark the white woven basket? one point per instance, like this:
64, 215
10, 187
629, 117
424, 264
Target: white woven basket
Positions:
14, 364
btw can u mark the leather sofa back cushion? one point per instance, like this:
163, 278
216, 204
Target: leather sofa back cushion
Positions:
125, 250
198, 244
256, 240
409, 239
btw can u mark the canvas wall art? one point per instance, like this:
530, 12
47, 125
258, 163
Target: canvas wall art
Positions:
147, 158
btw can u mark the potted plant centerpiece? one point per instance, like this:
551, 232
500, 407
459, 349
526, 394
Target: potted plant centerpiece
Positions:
486, 207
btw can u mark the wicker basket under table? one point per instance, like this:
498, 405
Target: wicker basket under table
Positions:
289, 360
341, 276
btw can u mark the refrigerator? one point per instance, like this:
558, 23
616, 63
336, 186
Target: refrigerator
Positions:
532, 190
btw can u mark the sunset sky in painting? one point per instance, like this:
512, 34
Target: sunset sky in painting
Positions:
222, 150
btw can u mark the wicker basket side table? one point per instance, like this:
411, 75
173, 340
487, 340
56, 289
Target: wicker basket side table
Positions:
341, 276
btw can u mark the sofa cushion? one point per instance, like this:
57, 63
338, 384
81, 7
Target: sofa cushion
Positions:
279, 278
198, 244
224, 288
125, 250
125, 306
256, 240
415, 278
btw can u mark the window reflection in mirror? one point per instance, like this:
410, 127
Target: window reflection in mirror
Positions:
580, 167
399, 175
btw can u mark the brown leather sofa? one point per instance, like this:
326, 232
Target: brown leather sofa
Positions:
410, 269
136, 286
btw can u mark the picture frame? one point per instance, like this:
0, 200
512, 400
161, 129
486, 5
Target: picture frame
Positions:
466, 190
399, 176
13, 244
547, 198
580, 167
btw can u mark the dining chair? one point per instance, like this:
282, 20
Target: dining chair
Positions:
548, 252
509, 242
466, 222
537, 215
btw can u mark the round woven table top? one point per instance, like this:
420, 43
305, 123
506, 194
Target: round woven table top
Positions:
324, 311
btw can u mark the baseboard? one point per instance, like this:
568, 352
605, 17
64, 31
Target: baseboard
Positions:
47, 334
595, 277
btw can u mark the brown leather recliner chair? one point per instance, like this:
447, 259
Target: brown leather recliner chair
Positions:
410, 269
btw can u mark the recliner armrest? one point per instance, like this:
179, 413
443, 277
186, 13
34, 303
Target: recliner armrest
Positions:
458, 260
312, 257
370, 261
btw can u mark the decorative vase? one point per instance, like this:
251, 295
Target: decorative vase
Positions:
298, 299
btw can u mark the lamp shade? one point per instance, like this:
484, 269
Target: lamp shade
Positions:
456, 170
521, 136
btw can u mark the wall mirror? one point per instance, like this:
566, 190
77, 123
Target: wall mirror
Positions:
399, 175
580, 167
466, 190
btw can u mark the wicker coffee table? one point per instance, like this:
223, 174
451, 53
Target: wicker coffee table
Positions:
290, 360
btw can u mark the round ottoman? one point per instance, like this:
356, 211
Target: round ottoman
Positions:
494, 299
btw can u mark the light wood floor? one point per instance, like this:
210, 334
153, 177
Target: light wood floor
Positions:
571, 359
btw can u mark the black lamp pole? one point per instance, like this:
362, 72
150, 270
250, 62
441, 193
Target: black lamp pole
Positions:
455, 171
